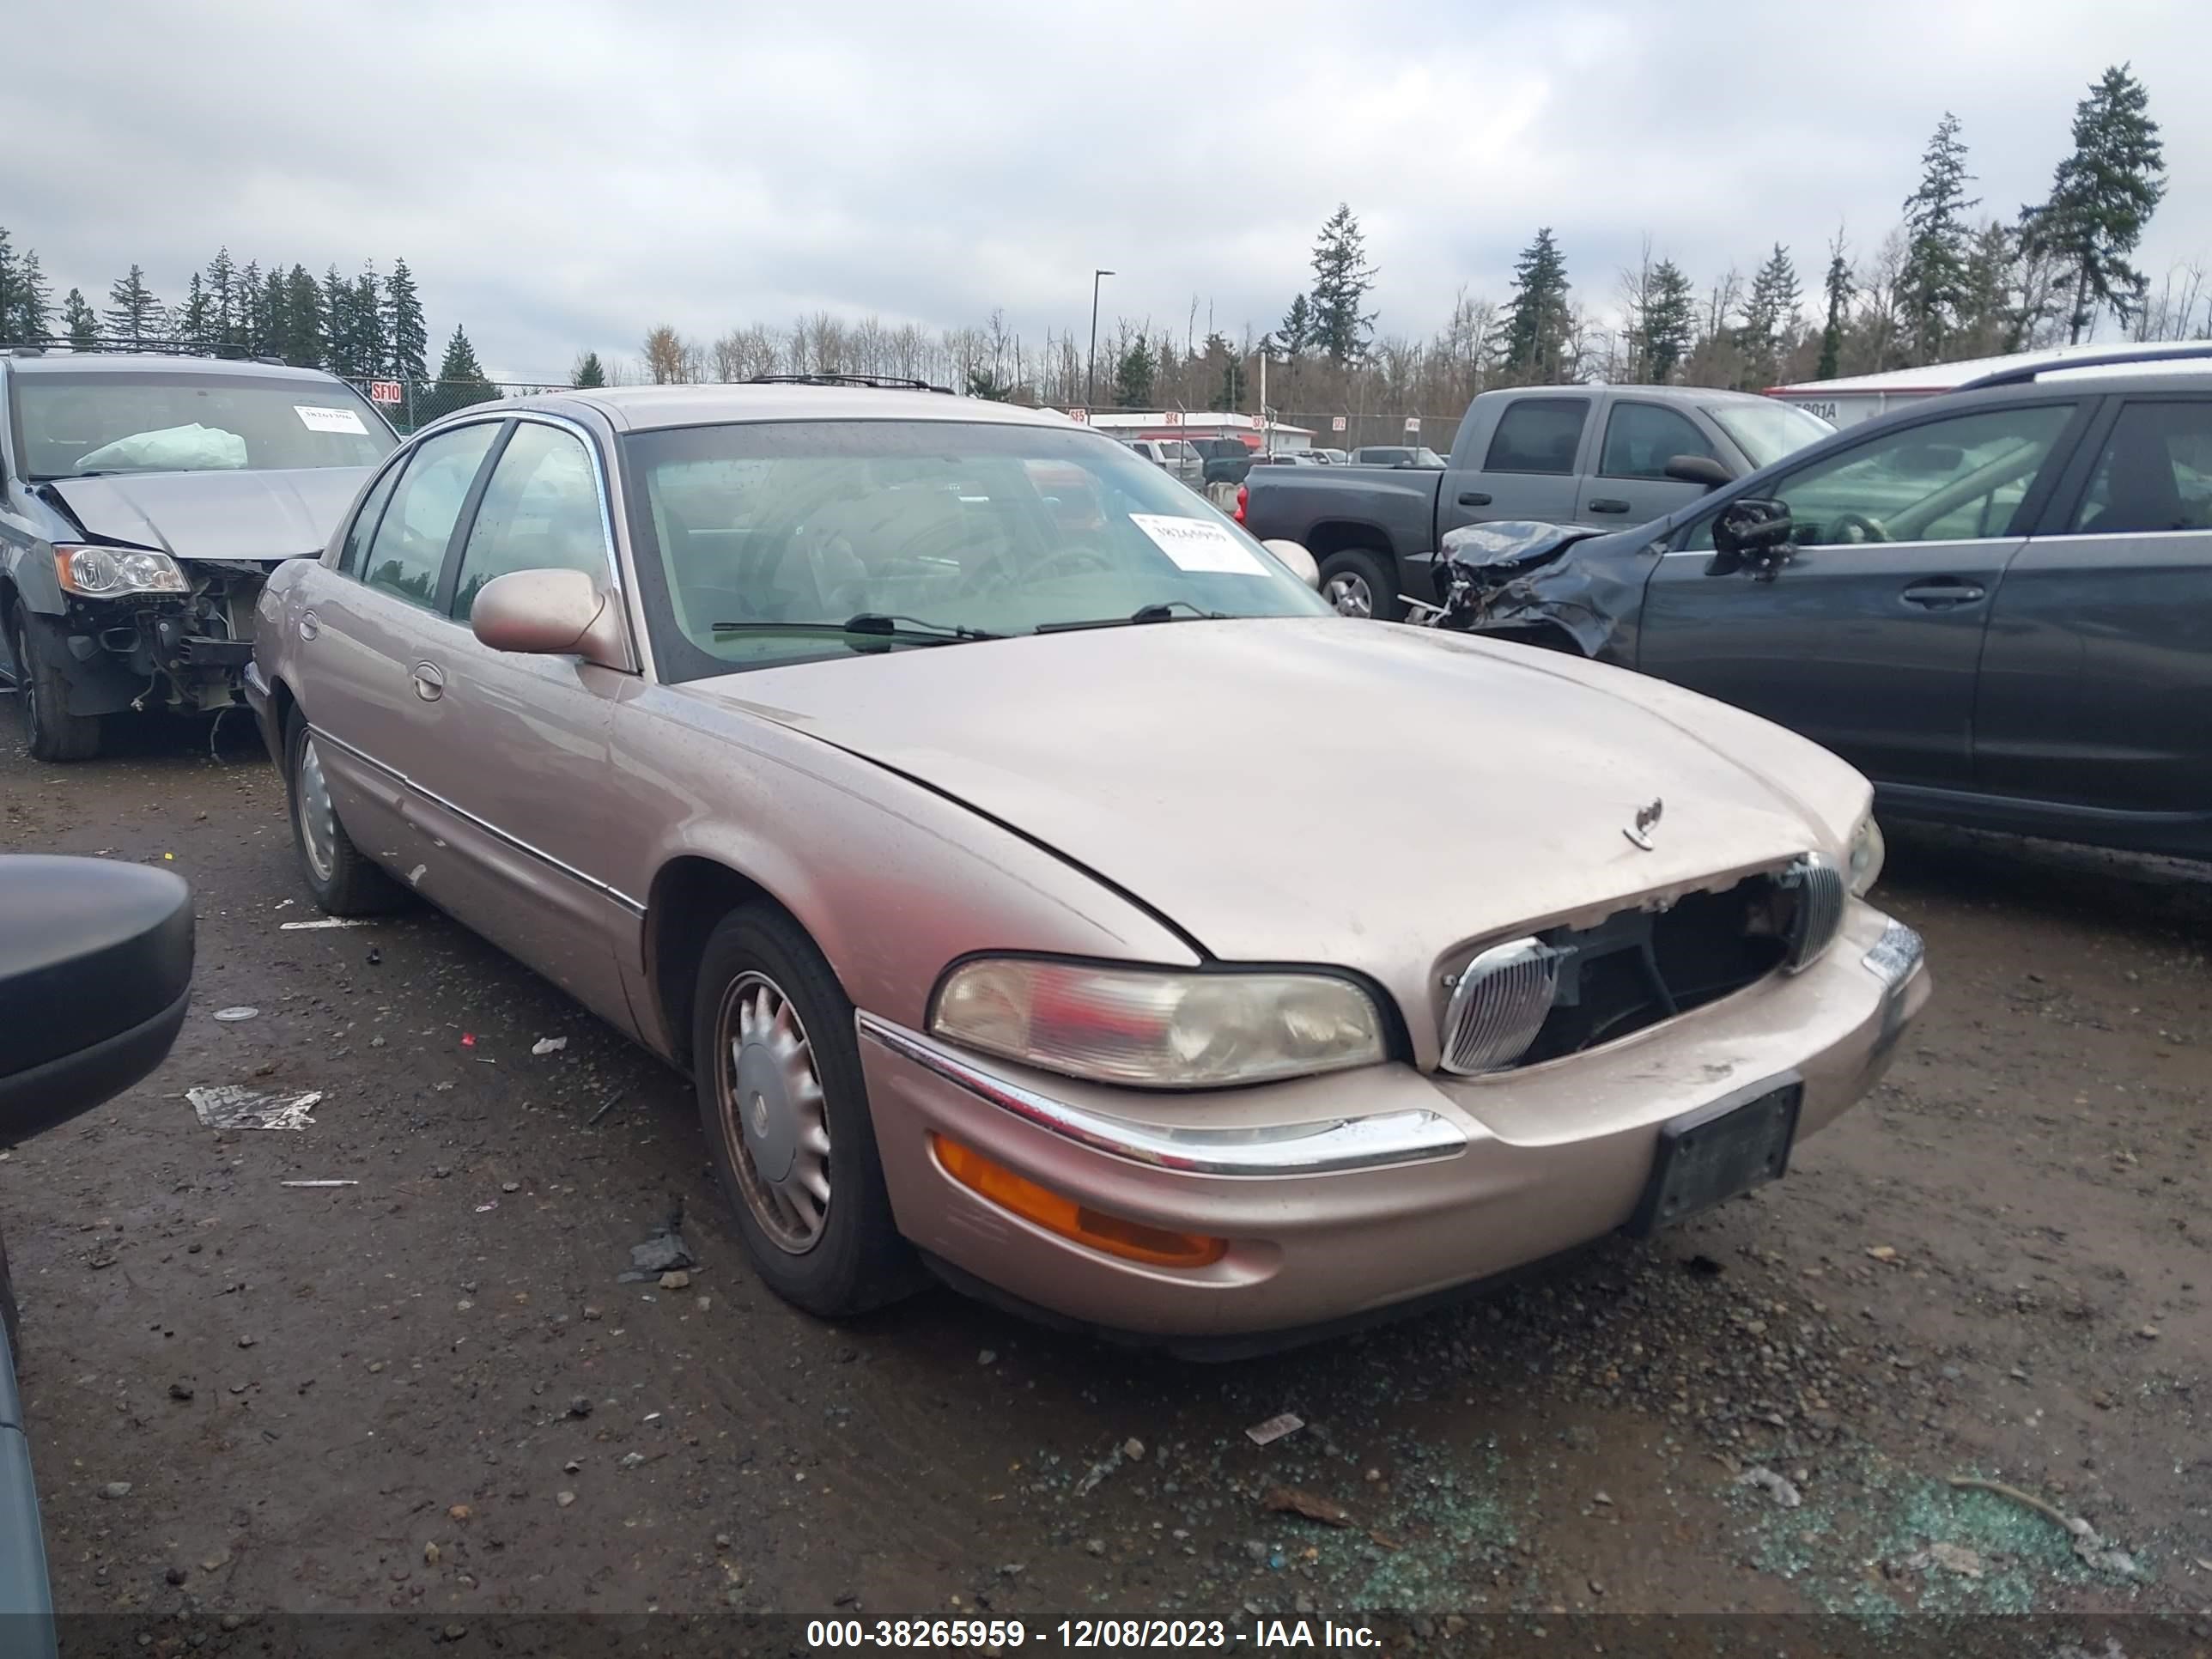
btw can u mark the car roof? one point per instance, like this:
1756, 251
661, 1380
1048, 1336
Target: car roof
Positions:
131, 363
650, 408
1665, 394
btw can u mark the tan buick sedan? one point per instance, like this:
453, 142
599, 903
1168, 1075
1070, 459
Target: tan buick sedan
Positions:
968, 807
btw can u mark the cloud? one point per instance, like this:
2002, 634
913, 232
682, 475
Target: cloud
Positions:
561, 176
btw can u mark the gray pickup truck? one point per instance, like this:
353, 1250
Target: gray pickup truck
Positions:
1604, 455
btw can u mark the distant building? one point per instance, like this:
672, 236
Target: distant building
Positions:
1270, 436
1861, 397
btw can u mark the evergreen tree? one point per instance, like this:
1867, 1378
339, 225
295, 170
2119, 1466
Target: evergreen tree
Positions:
366, 338
406, 335
588, 371
1768, 317
340, 332
1538, 321
297, 326
222, 300
1297, 332
196, 322
1669, 322
134, 315
81, 320
33, 299
1134, 374
2101, 197
11, 277
1226, 371
1838, 287
251, 310
462, 376
1342, 280
1932, 284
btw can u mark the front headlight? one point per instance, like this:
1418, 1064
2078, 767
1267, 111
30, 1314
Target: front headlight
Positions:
1153, 1028
1863, 867
107, 573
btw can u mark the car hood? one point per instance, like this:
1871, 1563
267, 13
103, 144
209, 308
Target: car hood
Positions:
216, 515
1325, 790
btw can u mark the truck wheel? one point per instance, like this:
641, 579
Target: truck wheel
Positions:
52, 733
784, 1108
344, 882
1359, 583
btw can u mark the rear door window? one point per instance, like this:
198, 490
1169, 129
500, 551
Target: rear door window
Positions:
2154, 472
409, 551
1538, 435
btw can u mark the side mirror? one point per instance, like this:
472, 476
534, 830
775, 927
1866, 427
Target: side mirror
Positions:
1697, 470
1301, 563
1750, 532
95, 970
555, 613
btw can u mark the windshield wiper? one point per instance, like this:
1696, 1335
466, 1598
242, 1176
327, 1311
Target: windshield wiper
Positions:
1163, 611
874, 625
67, 478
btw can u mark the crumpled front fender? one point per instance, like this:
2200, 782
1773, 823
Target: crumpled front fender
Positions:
1594, 603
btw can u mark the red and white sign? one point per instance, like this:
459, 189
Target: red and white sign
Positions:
1413, 423
1336, 423
1172, 418
386, 391
1080, 417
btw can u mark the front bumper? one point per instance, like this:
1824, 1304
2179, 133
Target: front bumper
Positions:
1346, 1195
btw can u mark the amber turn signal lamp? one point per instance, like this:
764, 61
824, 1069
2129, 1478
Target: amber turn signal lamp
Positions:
1133, 1241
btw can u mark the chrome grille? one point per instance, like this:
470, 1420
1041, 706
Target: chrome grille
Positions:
1498, 1006
1819, 885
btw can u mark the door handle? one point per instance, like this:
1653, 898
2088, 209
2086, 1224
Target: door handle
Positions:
309, 626
1608, 504
429, 681
1943, 593
1473, 498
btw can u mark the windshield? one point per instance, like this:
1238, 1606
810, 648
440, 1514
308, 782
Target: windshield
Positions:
74, 424
1767, 430
756, 544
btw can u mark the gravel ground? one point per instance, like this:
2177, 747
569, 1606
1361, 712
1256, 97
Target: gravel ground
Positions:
431, 1391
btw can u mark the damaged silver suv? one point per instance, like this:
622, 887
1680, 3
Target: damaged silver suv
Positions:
143, 499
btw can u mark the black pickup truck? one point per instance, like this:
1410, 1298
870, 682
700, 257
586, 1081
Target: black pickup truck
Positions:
1608, 456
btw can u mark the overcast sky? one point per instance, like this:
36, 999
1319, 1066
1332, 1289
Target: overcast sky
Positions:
565, 175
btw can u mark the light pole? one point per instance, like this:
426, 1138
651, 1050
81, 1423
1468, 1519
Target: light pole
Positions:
1091, 374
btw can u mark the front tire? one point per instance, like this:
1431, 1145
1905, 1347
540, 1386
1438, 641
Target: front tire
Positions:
1360, 583
50, 731
343, 879
785, 1108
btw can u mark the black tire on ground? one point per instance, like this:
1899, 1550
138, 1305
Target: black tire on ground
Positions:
858, 1260
352, 884
1357, 578
50, 731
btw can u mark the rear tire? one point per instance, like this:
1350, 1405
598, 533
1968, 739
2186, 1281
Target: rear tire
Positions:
344, 880
50, 731
1361, 583
777, 1067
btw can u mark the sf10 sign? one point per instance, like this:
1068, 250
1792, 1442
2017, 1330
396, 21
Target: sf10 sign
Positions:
386, 391
1413, 423
1336, 423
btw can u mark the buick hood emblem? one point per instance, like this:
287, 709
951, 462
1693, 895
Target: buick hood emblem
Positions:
1647, 820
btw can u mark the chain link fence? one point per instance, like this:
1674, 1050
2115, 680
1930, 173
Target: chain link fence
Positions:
1359, 430
409, 405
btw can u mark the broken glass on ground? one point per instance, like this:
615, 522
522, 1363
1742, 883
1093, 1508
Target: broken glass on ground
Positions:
231, 1106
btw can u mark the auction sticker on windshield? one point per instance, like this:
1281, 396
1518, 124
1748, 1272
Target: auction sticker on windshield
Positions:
317, 419
1195, 545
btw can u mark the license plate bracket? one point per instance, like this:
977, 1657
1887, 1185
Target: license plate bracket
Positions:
1706, 1157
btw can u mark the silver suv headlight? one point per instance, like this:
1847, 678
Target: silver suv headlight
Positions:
1151, 1028
107, 573
1862, 866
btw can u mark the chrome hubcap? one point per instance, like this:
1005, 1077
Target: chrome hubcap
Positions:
319, 823
774, 1120
1349, 594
